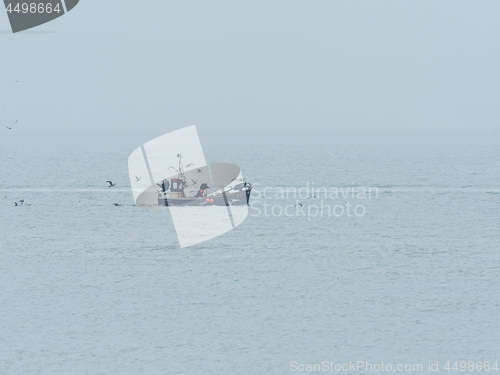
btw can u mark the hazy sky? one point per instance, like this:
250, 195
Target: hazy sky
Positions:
280, 65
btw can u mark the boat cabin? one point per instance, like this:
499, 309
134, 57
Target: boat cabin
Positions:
177, 188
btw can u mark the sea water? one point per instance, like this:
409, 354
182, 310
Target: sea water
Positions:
412, 277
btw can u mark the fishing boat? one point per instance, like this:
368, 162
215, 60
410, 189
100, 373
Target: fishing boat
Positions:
179, 190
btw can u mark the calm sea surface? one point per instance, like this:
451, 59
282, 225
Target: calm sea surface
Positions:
90, 288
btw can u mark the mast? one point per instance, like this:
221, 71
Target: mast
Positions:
181, 166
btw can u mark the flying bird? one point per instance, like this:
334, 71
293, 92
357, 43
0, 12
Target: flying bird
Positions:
21, 201
299, 204
198, 170
9, 127
16, 81
190, 164
194, 181
312, 196
110, 183
15, 203
137, 179
117, 204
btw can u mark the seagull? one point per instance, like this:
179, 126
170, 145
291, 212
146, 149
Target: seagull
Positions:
117, 204
9, 127
190, 164
110, 183
198, 170
194, 181
137, 179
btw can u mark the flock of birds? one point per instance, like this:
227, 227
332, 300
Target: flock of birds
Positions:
20, 202
300, 204
138, 178
110, 184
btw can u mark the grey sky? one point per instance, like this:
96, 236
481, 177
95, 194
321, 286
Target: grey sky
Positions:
280, 65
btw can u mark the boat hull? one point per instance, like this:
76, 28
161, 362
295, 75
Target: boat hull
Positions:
237, 198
